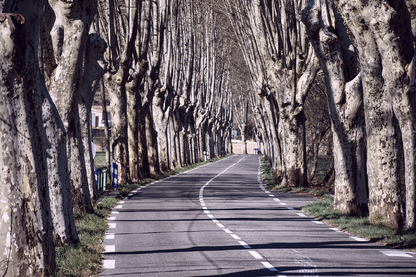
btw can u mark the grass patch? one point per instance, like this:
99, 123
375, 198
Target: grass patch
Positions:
360, 226
270, 180
84, 259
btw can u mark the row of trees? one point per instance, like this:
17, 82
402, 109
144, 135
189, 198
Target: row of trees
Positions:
169, 83
365, 50
167, 71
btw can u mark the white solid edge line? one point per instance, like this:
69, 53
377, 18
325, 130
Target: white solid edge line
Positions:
112, 218
396, 254
112, 225
110, 248
336, 230
109, 236
357, 238
109, 264
235, 237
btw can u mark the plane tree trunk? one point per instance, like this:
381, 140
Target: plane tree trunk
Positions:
344, 95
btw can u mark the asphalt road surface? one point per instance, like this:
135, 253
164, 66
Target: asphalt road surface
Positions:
218, 220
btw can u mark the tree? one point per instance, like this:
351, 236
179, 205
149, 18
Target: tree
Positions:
344, 94
70, 21
23, 198
383, 32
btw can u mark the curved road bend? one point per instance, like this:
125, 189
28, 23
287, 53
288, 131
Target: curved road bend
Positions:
218, 220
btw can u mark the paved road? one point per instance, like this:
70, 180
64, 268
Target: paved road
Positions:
218, 220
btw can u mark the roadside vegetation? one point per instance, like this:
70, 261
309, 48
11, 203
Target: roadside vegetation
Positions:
315, 188
84, 259
323, 210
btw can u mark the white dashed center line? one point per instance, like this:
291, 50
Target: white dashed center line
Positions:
269, 266
244, 244
256, 255
234, 236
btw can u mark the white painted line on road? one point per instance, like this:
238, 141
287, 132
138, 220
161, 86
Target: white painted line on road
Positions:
118, 207
396, 254
276, 199
122, 202
109, 264
336, 230
203, 204
357, 238
112, 225
207, 212
301, 214
235, 237
283, 204
290, 208
267, 191
227, 231
112, 218
110, 248
244, 244
109, 236
214, 220
205, 208
255, 255
130, 194
269, 266
220, 225
211, 216
115, 212
317, 222
271, 195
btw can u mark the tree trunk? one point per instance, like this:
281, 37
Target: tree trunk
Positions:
386, 58
72, 21
292, 136
345, 107
95, 67
118, 100
27, 245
